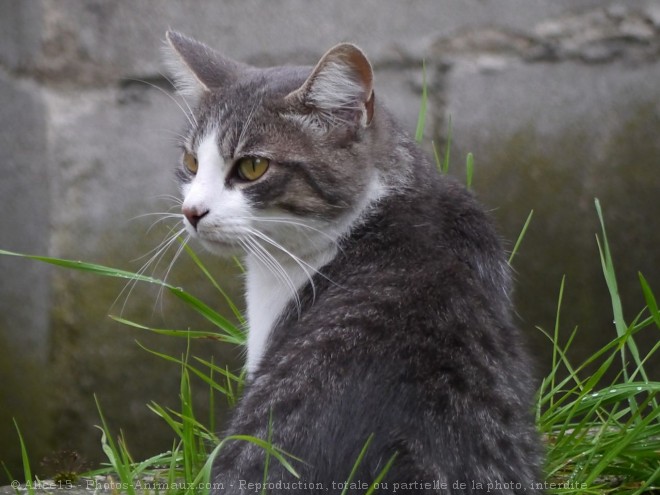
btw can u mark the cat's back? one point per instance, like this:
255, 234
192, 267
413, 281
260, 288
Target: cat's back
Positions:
406, 337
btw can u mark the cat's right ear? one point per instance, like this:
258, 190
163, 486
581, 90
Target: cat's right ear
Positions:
196, 67
338, 93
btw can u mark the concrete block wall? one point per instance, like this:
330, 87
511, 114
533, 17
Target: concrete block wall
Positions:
557, 99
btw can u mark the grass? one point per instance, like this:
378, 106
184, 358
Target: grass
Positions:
603, 434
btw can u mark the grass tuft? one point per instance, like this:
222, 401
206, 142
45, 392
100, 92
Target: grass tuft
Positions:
603, 434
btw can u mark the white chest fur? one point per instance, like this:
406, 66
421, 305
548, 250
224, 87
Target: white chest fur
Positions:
268, 294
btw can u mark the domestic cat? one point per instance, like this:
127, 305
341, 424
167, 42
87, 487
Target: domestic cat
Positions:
378, 294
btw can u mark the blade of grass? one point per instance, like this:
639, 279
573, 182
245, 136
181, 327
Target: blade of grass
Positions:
267, 461
469, 170
421, 118
191, 368
357, 463
648, 482
193, 334
27, 471
212, 411
651, 302
90, 267
436, 157
237, 313
445, 163
521, 236
632, 432
211, 315
115, 455
555, 347
374, 485
610, 279
9, 475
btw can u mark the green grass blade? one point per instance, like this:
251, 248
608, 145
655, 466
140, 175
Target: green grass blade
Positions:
238, 337
648, 482
610, 279
204, 474
191, 368
357, 463
27, 471
469, 170
632, 432
193, 334
116, 456
96, 269
175, 425
224, 371
267, 461
555, 347
375, 483
212, 411
445, 163
275, 452
9, 476
421, 118
236, 312
436, 157
521, 236
651, 302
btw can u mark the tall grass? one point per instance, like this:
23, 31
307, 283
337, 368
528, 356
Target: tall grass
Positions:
603, 434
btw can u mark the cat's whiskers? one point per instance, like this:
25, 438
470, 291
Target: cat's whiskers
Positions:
294, 223
175, 138
185, 102
252, 246
176, 200
178, 252
156, 255
304, 266
297, 259
163, 216
190, 116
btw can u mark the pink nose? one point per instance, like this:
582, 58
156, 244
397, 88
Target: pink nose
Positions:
194, 215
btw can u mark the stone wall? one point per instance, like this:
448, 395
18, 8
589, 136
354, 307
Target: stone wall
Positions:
559, 100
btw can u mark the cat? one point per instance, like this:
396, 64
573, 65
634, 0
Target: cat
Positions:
378, 293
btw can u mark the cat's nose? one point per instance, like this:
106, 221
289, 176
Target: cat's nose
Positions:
194, 215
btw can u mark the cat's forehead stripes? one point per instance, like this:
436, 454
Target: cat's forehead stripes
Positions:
208, 154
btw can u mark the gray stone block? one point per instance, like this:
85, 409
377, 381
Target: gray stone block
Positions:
25, 226
20, 31
25, 292
552, 137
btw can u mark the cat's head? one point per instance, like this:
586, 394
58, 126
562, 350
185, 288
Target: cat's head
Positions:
285, 158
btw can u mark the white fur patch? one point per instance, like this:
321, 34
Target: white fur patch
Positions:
268, 295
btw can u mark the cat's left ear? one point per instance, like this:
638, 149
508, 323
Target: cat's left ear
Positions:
196, 67
338, 92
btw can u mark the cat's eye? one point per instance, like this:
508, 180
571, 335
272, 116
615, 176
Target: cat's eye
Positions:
251, 168
190, 162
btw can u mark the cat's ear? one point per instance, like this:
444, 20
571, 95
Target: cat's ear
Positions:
196, 67
338, 92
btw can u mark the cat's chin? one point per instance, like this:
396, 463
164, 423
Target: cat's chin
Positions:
222, 248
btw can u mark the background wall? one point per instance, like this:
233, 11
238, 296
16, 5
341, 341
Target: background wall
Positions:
559, 100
